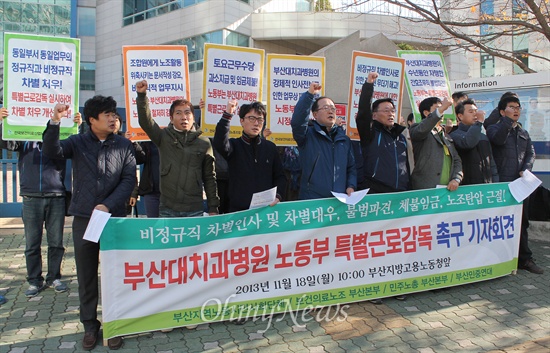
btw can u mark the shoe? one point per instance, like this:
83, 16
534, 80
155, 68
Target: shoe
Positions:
3, 300
115, 343
90, 340
166, 330
33, 290
401, 297
240, 321
191, 327
532, 267
58, 286
376, 301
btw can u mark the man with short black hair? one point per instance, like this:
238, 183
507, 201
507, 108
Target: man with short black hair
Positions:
436, 161
473, 146
186, 159
384, 147
514, 153
254, 163
104, 175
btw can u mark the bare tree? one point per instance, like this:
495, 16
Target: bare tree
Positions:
468, 25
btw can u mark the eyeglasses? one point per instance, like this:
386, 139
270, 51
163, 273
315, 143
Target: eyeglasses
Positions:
516, 108
328, 108
386, 111
255, 119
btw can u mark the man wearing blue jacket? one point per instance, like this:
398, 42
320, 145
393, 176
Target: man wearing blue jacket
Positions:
385, 156
326, 154
42, 187
104, 174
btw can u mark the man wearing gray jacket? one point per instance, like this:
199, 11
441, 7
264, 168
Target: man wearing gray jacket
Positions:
435, 157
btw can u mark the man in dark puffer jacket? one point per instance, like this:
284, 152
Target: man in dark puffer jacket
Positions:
514, 153
104, 175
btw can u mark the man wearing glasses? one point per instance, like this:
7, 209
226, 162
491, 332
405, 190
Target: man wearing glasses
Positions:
326, 153
186, 159
385, 157
514, 153
253, 162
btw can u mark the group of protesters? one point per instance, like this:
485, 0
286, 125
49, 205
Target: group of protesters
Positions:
181, 166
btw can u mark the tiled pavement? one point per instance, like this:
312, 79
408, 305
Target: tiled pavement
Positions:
509, 314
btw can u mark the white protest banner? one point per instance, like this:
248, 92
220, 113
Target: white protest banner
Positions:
389, 83
170, 272
229, 73
288, 77
426, 76
166, 70
39, 72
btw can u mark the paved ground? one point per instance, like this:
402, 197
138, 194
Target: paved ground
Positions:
509, 314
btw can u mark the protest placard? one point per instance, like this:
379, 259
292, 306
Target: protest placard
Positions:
288, 77
166, 70
39, 72
230, 72
389, 83
426, 76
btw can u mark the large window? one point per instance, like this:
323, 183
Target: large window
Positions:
86, 21
51, 18
87, 76
139, 10
195, 45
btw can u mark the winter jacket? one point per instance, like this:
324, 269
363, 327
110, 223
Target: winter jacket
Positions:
39, 176
186, 164
512, 148
385, 156
103, 172
254, 165
429, 154
476, 154
327, 159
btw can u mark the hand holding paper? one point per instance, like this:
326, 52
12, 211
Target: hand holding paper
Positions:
522, 187
353, 199
95, 226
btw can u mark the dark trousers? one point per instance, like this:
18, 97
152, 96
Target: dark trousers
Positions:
152, 202
40, 212
86, 255
525, 253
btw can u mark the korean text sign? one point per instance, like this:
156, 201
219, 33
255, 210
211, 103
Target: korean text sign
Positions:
166, 70
389, 83
161, 273
288, 77
229, 73
39, 72
426, 76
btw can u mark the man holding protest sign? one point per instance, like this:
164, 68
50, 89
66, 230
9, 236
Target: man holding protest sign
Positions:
186, 159
326, 154
104, 171
254, 162
42, 186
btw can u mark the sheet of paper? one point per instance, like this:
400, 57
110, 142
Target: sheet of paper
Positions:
264, 198
524, 186
353, 199
95, 226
